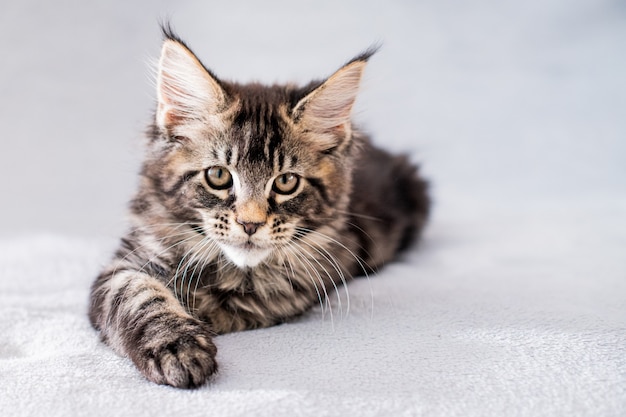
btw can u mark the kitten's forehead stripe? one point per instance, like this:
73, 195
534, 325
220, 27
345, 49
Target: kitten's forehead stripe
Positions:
259, 122
275, 141
229, 156
281, 161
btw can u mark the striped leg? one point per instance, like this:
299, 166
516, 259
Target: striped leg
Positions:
141, 319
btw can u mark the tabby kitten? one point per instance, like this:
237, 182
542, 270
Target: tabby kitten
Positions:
254, 203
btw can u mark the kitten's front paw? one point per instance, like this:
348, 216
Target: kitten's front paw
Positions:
185, 358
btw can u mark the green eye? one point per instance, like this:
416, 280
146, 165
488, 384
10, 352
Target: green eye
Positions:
219, 178
286, 183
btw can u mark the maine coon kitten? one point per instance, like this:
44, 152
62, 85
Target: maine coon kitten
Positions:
254, 203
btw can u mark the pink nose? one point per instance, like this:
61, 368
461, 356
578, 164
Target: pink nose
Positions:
250, 228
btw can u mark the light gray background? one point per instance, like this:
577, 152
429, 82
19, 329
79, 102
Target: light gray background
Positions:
504, 103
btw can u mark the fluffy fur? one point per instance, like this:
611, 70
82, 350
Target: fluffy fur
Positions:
254, 203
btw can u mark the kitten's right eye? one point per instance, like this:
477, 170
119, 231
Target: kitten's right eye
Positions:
219, 178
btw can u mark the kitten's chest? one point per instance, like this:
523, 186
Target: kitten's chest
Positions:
234, 299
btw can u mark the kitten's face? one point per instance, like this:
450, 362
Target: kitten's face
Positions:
254, 168
253, 191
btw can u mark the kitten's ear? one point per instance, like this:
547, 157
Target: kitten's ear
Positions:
326, 110
185, 89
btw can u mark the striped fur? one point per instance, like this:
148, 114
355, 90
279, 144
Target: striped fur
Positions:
254, 204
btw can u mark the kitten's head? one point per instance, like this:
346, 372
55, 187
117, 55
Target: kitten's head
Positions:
251, 168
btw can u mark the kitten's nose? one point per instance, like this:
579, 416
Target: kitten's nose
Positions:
251, 214
250, 228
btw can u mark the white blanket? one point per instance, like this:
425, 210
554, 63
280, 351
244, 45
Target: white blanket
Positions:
523, 315
513, 305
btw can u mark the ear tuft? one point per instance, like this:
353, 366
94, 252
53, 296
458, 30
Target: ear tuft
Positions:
185, 89
169, 33
365, 55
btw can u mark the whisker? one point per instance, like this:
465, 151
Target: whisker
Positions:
362, 263
302, 256
182, 261
287, 265
337, 269
196, 253
203, 263
125, 257
362, 216
299, 257
335, 264
154, 256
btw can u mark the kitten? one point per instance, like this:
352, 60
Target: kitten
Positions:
253, 203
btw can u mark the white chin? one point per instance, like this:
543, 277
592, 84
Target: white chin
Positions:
245, 258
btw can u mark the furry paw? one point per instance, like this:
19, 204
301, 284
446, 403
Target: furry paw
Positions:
183, 357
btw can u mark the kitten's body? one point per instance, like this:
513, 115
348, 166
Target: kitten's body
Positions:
254, 204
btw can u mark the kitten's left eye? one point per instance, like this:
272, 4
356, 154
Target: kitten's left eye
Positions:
286, 183
219, 178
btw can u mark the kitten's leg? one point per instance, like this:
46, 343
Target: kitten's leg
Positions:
141, 319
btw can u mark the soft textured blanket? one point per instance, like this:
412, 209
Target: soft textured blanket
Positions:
522, 316
513, 305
